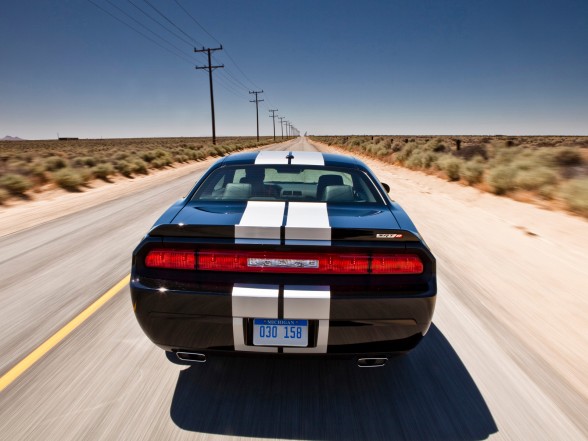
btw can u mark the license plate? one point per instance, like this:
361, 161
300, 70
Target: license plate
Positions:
280, 332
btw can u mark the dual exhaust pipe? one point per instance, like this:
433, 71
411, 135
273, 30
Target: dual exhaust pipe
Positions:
191, 356
361, 362
372, 362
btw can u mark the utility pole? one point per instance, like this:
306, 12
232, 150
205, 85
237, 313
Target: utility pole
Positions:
281, 118
273, 117
210, 68
256, 101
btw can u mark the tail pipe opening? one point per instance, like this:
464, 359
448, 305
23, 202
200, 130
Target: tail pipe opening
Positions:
372, 362
191, 356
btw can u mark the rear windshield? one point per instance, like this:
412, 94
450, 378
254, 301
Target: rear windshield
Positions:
288, 183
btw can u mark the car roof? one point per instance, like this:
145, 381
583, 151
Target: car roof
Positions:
291, 157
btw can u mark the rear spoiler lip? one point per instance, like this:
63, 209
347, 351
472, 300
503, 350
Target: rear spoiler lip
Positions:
337, 234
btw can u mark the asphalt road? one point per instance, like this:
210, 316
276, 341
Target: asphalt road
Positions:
471, 378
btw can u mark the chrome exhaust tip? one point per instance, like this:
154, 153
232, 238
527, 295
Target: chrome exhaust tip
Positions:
191, 356
372, 362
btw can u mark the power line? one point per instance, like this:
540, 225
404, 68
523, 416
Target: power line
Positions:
282, 118
145, 27
196, 21
179, 37
218, 42
256, 101
179, 55
273, 117
210, 68
172, 23
143, 34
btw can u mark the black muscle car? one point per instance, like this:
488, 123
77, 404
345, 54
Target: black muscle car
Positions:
285, 252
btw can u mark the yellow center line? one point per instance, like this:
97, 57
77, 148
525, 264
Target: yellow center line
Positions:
54, 340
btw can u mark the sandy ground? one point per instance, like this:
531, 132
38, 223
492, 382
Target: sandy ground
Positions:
506, 358
53, 204
506, 239
527, 266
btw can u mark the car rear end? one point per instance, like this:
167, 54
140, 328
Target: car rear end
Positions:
284, 275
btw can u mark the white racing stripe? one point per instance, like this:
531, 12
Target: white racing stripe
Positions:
308, 221
252, 301
272, 157
260, 223
307, 158
312, 303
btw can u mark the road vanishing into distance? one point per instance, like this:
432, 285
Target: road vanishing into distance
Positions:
483, 371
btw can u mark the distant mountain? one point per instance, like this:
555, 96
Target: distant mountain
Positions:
11, 138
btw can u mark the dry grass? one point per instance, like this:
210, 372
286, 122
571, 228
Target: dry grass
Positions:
553, 168
30, 165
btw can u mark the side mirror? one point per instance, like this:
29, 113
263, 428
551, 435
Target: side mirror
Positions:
386, 187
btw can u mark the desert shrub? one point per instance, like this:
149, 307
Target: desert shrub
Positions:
406, 151
140, 167
502, 179
451, 166
471, 151
219, 150
148, 156
160, 162
124, 168
421, 159
435, 145
565, 156
19, 166
472, 172
546, 191
87, 161
575, 194
534, 179
200, 155
4, 195
38, 170
397, 146
121, 156
160, 153
526, 163
15, 184
68, 179
53, 163
103, 171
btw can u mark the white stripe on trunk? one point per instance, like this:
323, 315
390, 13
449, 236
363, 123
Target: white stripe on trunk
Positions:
261, 220
313, 303
307, 158
308, 221
272, 157
252, 301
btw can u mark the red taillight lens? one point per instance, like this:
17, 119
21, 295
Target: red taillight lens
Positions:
172, 259
284, 262
397, 264
281, 262
307, 263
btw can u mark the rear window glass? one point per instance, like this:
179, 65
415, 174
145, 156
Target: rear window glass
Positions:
288, 183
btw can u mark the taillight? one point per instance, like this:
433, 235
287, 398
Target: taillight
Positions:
308, 263
172, 259
285, 262
281, 262
397, 264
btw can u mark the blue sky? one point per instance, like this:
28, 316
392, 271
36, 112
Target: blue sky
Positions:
330, 67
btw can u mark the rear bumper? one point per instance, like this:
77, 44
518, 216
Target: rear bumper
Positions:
353, 323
